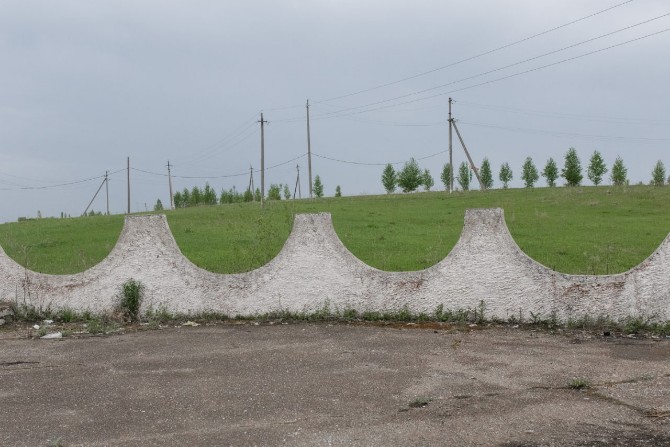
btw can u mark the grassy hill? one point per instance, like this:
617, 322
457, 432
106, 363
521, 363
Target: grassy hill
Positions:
588, 230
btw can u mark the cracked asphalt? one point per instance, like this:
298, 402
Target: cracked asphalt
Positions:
333, 384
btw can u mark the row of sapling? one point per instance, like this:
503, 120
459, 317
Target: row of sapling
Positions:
408, 179
197, 196
411, 176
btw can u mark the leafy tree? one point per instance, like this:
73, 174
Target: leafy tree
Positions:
529, 173
208, 195
158, 206
287, 192
196, 196
274, 193
389, 178
463, 177
572, 171
410, 176
505, 174
338, 191
619, 173
658, 174
446, 175
318, 187
427, 180
550, 172
257, 195
485, 174
248, 195
186, 197
178, 200
596, 168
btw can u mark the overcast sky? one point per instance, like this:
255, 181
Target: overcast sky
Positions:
83, 85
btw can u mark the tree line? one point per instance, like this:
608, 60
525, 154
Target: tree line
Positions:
411, 177
197, 196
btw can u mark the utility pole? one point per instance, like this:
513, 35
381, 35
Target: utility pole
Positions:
107, 189
262, 121
472, 165
251, 181
128, 169
451, 159
170, 184
297, 184
309, 153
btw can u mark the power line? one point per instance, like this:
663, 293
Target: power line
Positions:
73, 182
333, 115
562, 133
162, 174
563, 115
485, 53
375, 164
407, 95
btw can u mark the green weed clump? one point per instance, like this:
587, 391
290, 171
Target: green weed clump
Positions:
130, 300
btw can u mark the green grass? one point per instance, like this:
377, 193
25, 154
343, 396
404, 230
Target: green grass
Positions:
587, 230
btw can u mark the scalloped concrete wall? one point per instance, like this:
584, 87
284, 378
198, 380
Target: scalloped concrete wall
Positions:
314, 268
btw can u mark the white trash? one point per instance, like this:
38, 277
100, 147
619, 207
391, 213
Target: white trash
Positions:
53, 335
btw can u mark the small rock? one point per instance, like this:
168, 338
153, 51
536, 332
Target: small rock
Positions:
48, 322
36, 327
191, 323
516, 326
52, 336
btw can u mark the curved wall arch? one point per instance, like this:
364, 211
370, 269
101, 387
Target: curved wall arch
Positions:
314, 268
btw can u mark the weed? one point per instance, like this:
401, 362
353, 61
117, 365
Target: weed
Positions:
66, 315
130, 300
419, 402
579, 384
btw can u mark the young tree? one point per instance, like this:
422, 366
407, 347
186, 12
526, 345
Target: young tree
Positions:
248, 196
287, 192
485, 174
389, 179
619, 173
572, 171
529, 173
409, 178
463, 177
550, 172
209, 195
596, 168
178, 200
505, 174
338, 191
158, 206
186, 197
427, 180
257, 195
196, 196
226, 197
446, 175
318, 187
658, 174
274, 193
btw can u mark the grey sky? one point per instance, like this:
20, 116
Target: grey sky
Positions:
85, 84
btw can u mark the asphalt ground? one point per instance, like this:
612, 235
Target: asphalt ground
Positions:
334, 384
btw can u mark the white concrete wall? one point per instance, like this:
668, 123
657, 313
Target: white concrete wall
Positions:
315, 268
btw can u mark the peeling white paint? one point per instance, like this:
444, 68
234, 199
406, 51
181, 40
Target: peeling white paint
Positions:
314, 268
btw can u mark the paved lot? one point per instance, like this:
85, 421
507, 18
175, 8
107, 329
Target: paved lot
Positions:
320, 384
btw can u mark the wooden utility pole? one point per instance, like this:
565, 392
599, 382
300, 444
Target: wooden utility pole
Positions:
170, 184
297, 184
472, 165
251, 182
309, 154
107, 189
451, 159
128, 171
262, 121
